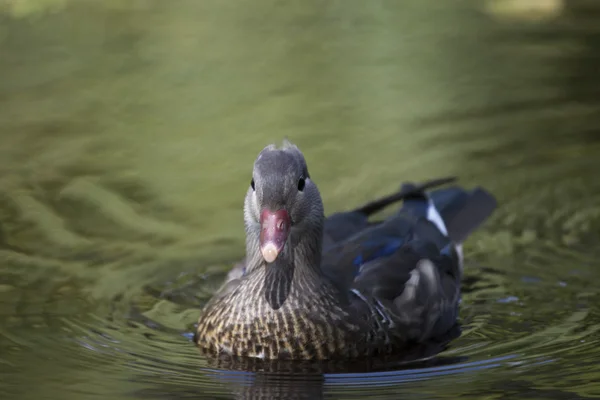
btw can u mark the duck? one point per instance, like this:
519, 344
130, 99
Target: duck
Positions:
346, 286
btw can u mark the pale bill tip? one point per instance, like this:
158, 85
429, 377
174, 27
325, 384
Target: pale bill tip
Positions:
269, 252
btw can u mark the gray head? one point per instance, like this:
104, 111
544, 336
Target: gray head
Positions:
282, 200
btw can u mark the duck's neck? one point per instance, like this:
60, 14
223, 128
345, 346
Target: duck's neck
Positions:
304, 248
299, 263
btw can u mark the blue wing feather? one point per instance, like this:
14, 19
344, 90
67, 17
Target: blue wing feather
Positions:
386, 245
374, 249
347, 259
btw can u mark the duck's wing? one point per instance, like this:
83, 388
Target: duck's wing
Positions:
406, 271
352, 234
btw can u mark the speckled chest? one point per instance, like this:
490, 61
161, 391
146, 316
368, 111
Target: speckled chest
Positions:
315, 327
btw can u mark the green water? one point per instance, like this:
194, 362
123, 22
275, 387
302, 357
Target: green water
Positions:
128, 131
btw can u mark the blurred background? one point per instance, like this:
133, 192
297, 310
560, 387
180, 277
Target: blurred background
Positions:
128, 129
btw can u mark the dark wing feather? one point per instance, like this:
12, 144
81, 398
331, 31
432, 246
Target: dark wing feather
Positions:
406, 270
380, 246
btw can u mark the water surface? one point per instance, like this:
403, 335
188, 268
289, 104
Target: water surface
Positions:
128, 134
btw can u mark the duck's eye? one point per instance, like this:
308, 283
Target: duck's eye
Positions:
301, 183
252, 184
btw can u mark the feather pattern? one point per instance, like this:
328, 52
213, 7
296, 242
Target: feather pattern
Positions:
345, 286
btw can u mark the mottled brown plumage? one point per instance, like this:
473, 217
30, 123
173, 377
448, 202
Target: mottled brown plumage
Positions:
312, 288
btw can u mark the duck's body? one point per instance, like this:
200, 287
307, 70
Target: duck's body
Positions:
341, 287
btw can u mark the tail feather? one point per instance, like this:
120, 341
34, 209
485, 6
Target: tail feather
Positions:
463, 211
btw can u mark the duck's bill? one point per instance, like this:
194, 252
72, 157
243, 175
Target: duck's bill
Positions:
275, 229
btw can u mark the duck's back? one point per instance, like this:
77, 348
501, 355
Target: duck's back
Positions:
403, 274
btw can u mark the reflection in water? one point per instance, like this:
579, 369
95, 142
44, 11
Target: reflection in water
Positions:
128, 130
251, 380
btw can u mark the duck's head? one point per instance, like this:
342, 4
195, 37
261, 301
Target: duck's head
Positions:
282, 200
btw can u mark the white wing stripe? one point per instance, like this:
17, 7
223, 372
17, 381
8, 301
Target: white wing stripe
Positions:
434, 216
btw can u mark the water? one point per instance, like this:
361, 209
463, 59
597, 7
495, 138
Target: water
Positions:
128, 132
